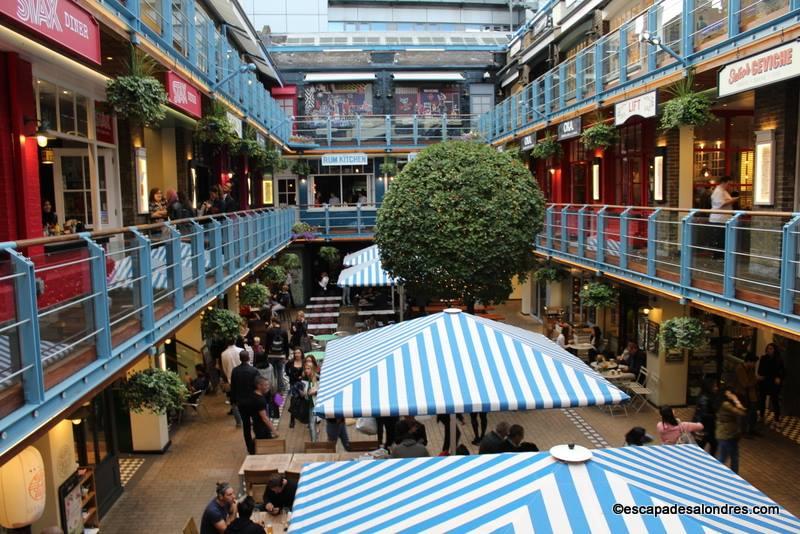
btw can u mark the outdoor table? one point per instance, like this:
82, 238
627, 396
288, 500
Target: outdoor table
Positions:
580, 346
617, 376
296, 465
606, 367
280, 522
264, 462
324, 338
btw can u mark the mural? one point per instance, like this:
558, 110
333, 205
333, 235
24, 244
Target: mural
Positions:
338, 99
427, 101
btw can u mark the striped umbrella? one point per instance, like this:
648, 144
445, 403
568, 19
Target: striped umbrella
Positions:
533, 492
367, 274
469, 364
361, 256
122, 275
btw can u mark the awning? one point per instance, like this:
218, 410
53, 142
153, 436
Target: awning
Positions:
532, 492
510, 79
361, 256
471, 364
441, 76
339, 76
367, 274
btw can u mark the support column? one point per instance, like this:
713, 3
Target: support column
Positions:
686, 167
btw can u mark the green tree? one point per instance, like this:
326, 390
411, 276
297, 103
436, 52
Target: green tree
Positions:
459, 222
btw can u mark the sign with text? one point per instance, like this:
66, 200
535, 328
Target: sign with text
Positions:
569, 129
527, 142
764, 180
775, 65
59, 20
235, 122
103, 123
183, 96
642, 106
358, 158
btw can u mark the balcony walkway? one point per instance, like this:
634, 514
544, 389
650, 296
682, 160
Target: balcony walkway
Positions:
77, 310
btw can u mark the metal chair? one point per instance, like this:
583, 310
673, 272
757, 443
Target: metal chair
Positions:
193, 402
638, 389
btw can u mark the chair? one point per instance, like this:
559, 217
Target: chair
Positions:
319, 446
255, 483
190, 527
364, 446
270, 446
638, 389
193, 401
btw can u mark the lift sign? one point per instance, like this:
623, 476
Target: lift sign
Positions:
769, 67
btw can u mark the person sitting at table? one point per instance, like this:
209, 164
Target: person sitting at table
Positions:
243, 524
492, 443
415, 429
406, 446
565, 337
514, 443
596, 340
200, 382
220, 512
279, 494
634, 358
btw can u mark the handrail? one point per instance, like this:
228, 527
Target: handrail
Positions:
179, 342
697, 210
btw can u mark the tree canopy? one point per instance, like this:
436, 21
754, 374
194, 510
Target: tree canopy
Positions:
459, 223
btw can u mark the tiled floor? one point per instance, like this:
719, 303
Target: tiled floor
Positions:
170, 488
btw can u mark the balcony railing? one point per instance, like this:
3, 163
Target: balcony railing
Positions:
77, 309
379, 131
744, 262
618, 62
345, 221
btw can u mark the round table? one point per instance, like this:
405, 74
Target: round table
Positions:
607, 367
324, 338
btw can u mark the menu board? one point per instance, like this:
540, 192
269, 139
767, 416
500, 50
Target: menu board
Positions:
72, 504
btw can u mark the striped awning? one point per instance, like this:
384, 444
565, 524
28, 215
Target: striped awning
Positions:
122, 274
531, 492
454, 362
361, 256
367, 274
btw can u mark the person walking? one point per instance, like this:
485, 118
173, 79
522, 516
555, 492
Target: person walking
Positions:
706, 413
294, 371
299, 331
746, 387
721, 199
277, 340
770, 373
728, 428
229, 360
473, 419
672, 431
386, 427
311, 382
336, 430
255, 410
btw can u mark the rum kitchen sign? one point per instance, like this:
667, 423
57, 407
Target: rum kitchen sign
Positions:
61, 21
778, 64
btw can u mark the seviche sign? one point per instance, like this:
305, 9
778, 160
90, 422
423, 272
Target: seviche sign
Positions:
778, 64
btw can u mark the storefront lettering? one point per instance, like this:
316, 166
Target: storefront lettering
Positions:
39, 12
569, 129
762, 65
642, 106
769, 67
182, 95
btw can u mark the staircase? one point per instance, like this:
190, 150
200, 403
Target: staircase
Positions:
322, 314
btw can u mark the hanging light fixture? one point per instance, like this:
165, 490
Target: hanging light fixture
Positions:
48, 156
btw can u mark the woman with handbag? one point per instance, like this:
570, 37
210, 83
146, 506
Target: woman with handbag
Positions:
673, 431
294, 370
311, 382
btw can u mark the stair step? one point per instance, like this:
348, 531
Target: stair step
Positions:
321, 314
322, 326
326, 299
322, 306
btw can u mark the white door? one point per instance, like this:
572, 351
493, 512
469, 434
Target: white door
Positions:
72, 182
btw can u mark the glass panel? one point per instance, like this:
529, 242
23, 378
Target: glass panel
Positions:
72, 172
82, 115
201, 36
611, 59
354, 188
47, 104
88, 200
103, 207
151, 14
741, 132
668, 21
710, 19
756, 12
101, 171
74, 207
66, 110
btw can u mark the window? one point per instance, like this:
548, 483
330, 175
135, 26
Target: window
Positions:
62, 110
342, 185
76, 188
151, 14
287, 191
48, 113
180, 28
725, 148
201, 21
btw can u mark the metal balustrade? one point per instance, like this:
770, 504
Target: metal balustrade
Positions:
78, 309
378, 131
742, 262
340, 221
618, 62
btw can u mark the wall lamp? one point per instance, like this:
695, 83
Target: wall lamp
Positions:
247, 67
41, 134
655, 40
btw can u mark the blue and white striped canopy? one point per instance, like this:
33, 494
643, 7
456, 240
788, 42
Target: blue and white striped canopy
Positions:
361, 256
367, 274
122, 274
530, 492
454, 362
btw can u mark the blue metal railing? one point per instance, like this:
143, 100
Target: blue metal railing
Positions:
78, 309
618, 62
742, 262
340, 221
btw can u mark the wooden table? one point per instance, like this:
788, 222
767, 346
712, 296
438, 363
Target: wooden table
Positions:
280, 522
296, 465
264, 462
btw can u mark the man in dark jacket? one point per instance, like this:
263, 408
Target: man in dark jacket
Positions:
243, 524
514, 443
279, 494
255, 410
492, 443
228, 202
277, 346
242, 383
770, 378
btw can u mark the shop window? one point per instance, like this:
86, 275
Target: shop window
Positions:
427, 100
48, 113
76, 188
81, 115
62, 110
66, 111
287, 191
201, 21
710, 22
151, 14
346, 187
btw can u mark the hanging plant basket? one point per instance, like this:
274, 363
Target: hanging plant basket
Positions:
290, 261
330, 256
254, 295
598, 295
214, 129
686, 107
599, 135
138, 96
272, 275
154, 390
221, 325
389, 168
546, 148
549, 273
682, 333
301, 168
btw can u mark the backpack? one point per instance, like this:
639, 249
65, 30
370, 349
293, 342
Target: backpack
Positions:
277, 342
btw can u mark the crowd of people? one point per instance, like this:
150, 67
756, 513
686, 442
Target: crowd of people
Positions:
174, 205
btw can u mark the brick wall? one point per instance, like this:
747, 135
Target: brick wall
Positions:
671, 168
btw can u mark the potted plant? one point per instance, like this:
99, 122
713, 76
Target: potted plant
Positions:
599, 135
330, 256
546, 148
155, 391
301, 168
598, 295
272, 275
681, 333
221, 325
548, 273
290, 261
215, 129
301, 230
253, 295
389, 167
686, 107
138, 96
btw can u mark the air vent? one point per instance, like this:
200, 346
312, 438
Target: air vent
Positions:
424, 40
439, 40
471, 40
